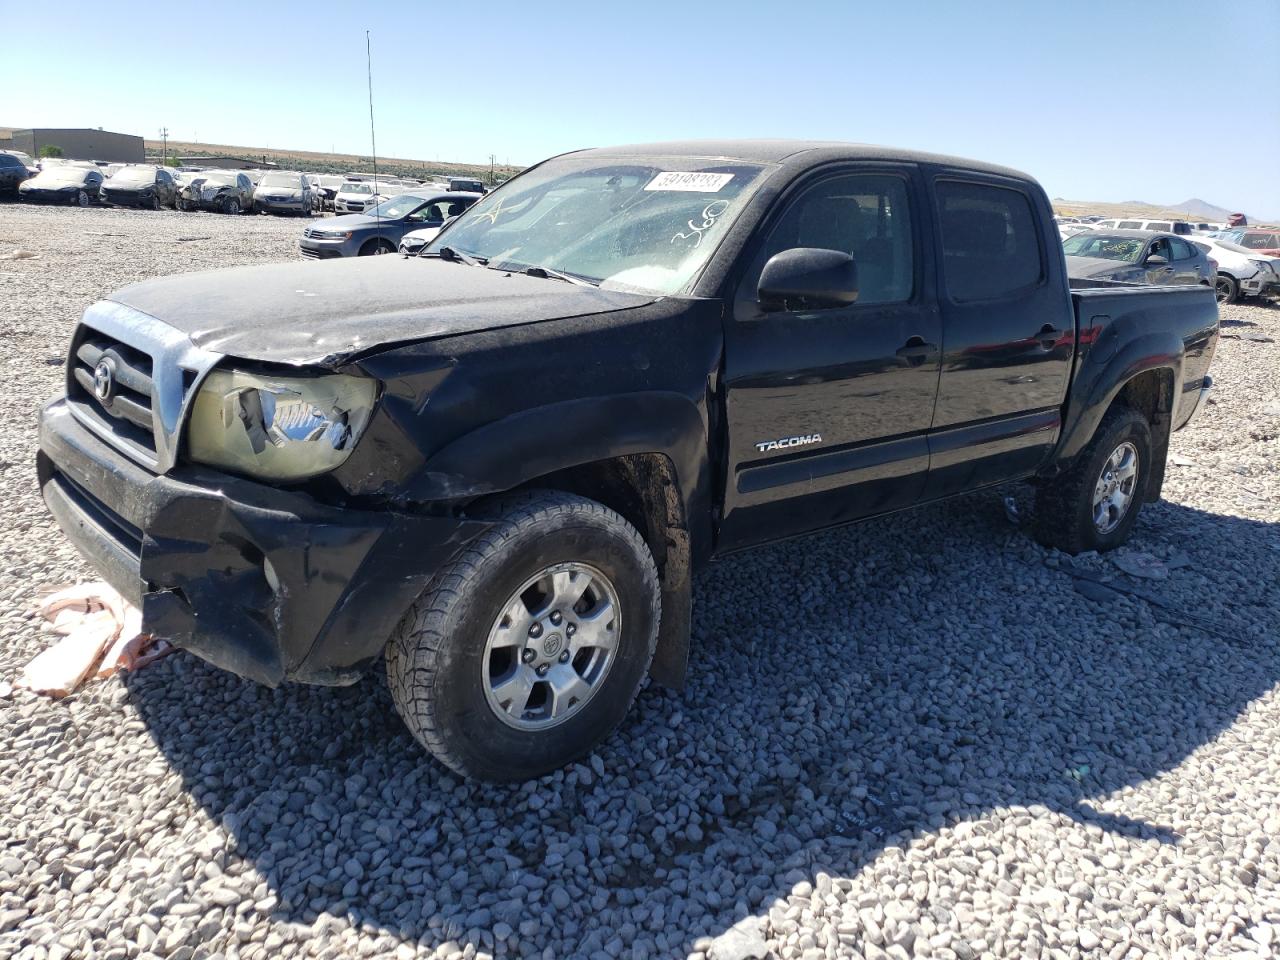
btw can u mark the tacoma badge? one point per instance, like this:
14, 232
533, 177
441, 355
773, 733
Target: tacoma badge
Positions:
764, 446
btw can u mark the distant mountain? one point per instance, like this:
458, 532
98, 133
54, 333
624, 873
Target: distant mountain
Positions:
1202, 210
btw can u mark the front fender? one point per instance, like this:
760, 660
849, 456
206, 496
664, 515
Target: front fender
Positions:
521, 448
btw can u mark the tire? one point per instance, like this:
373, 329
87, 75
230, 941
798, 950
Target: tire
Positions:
155, 202
446, 678
231, 206
375, 248
1227, 288
81, 199
1066, 512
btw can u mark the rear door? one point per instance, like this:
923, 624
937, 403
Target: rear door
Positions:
1008, 333
828, 409
1186, 264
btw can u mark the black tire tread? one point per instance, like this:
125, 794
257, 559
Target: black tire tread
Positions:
422, 634
1054, 523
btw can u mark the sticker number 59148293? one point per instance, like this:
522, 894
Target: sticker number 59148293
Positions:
692, 182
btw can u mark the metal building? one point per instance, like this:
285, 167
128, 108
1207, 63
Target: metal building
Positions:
80, 144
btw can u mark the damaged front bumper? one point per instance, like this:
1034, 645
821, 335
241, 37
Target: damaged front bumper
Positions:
269, 584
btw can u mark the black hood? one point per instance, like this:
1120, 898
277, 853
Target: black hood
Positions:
326, 311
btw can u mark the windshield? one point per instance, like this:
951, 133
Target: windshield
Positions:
225, 179
1128, 249
396, 207
356, 188
135, 175
1260, 241
629, 224
279, 180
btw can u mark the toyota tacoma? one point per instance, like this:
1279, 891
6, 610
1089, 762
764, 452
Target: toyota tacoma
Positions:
499, 464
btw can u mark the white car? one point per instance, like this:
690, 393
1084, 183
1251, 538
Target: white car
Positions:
1241, 272
1178, 227
411, 243
356, 196
1066, 230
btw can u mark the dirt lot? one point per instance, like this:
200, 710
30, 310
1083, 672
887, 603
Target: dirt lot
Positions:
953, 744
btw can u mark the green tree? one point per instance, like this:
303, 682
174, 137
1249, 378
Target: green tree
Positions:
173, 162
50, 150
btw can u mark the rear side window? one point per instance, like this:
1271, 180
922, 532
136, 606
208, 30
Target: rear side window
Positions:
1162, 225
1129, 225
990, 246
1182, 229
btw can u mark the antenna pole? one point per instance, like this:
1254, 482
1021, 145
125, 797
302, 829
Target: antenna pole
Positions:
373, 140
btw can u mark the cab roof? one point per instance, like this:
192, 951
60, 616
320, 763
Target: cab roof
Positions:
779, 151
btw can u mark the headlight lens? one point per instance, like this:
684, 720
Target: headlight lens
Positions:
1263, 265
278, 428
331, 234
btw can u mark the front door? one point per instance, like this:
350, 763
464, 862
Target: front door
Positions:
828, 409
1008, 335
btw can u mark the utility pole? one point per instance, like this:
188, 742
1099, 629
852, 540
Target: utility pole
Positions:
164, 139
492, 160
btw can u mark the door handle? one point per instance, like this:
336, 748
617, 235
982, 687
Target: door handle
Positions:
915, 351
1048, 336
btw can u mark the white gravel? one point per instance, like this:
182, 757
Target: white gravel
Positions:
916, 737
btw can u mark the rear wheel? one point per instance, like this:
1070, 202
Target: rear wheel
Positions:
1094, 504
528, 649
231, 205
1227, 288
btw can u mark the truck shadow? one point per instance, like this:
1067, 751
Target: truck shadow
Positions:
849, 692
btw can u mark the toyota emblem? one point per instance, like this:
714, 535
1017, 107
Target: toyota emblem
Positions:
104, 380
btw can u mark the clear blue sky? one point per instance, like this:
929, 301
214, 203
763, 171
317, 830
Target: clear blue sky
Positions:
1100, 99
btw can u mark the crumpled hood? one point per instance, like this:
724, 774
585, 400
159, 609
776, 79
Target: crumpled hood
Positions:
1094, 268
325, 311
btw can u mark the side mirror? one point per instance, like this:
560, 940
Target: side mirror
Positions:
1155, 260
808, 277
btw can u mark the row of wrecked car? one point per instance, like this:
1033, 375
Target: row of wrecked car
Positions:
148, 186
1238, 262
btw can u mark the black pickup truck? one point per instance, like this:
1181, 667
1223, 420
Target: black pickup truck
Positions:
501, 462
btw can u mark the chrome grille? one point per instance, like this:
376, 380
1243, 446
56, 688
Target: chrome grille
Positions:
151, 370
126, 410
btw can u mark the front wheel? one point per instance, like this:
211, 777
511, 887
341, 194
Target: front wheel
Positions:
527, 650
1094, 504
231, 206
1227, 288
81, 198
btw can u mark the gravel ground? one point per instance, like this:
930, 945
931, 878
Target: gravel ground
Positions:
954, 744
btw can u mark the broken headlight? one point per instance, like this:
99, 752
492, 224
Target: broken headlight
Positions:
278, 428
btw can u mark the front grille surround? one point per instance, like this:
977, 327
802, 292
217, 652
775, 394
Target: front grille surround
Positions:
156, 370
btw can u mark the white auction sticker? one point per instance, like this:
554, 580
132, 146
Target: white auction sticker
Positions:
692, 182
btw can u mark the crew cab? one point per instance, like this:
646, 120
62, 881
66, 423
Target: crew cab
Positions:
499, 463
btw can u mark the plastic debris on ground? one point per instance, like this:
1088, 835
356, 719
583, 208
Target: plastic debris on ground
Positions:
20, 255
101, 634
1141, 565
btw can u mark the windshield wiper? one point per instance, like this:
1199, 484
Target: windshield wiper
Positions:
549, 274
455, 256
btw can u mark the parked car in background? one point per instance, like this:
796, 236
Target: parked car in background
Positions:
1237, 220
65, 183
26, 159
222, 191
468, 185
1071, 229
12, 174
380, 229
137, 185
356, 196
1241, 272
1161, 226
328, 188
1136, 256
1259, 241
1207, 227
283, 192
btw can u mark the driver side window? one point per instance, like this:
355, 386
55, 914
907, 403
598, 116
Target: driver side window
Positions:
864, 215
